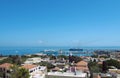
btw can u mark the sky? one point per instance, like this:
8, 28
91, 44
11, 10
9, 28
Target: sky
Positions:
59, 23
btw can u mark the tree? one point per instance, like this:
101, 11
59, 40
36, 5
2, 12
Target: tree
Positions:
48, 65
14, 71
52, 57
16, 60
17, 72
106, 64
13, 59
93, 66
23, 73
105, 67
74, 58
62, 56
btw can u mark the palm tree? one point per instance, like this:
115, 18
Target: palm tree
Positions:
17, 72
14, 71
23, 73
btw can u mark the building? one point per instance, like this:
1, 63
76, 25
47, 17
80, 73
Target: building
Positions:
66, 75
115, 73
33, 60
106, 75
96, 75
5, 69
70, 72
82, 66
36, 71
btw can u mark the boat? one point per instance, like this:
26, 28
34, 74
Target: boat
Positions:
75, 49
49, 50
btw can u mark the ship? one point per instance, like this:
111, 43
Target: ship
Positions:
75, 49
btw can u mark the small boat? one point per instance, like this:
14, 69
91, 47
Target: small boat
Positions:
49, 50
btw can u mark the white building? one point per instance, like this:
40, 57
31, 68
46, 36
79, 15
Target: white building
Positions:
5, 69
66, 75
35, 60
36, 71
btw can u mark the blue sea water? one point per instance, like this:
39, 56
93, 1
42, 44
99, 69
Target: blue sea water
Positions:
32, 50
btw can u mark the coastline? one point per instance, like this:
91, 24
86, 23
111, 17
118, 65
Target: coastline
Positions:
33, 50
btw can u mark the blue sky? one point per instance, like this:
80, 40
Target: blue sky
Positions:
59, 23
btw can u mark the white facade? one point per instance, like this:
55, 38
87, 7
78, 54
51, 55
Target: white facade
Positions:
68, 74
33, 60
38, 72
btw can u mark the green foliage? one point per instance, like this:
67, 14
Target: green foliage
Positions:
113, 62
19, 72
23, 73
94, 56
104, 67
62, 56
52, 57
32, 56
23, 58
92, 63
1, 74
74, 58
48, 65
104, 56
14, 59
14, 72
45, 56
94, 67
100, 67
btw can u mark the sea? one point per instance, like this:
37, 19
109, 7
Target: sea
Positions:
87, 51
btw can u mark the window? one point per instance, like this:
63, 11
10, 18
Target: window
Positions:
31, 71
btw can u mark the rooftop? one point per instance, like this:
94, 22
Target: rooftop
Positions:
82, 63
69, 74
29, 66
6, 65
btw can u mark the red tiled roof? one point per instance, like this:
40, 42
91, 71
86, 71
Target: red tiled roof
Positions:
82, 63
6, 65
29, 66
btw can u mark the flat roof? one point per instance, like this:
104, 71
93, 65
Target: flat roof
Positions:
69, 74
